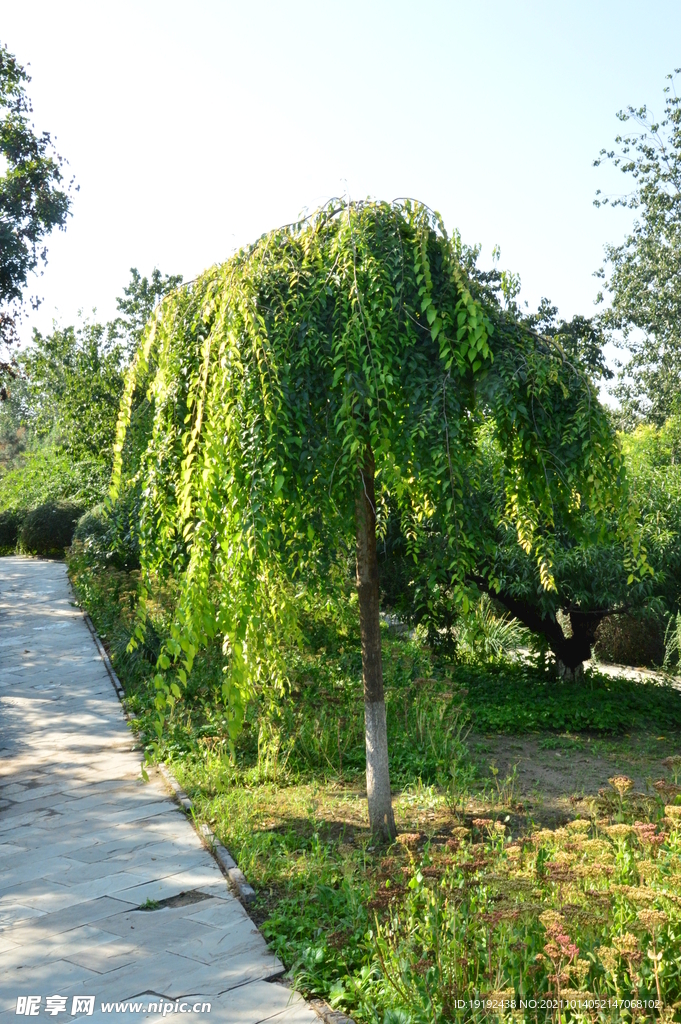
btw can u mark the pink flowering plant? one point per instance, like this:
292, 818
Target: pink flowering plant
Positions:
585, 920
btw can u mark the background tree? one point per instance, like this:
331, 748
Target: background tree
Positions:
591, 573
137, 304
58, 421
590, 567
591, 570
335, 367
581, 339
644, 275
33, 199
72, 381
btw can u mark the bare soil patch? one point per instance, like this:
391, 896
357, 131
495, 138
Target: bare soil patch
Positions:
553, 776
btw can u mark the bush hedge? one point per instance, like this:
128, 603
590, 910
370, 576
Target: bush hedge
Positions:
48, 529
10, 524
93, 525
627, 640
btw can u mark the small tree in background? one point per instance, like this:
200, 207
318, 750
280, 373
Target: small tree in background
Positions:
33, 199
645, 270
336, 368
58, 422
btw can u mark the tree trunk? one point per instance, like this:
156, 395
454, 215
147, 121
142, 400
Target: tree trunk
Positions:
576, 649
570, 651
381, 818
568, 673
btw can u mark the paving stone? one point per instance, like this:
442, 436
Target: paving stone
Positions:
84, 842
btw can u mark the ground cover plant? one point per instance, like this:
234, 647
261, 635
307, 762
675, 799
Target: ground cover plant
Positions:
474, 890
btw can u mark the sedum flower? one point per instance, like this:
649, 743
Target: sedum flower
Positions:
579, 825
580, 969
618, 832
647, 869
609, 958
621, 784
652, 919
459, 832
542, 836
409, 838
626, 945
637, 893
551, 918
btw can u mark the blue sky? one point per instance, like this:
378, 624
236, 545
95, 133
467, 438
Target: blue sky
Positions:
193, 128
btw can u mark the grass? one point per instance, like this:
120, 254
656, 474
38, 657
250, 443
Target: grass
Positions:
457, 909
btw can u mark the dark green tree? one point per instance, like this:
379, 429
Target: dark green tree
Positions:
58, 422
34, 198
69, 382
643, 273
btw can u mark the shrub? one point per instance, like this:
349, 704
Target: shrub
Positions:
10, 523
108, 535
92, 526
47, 475
485, 637
48, 529
626, 640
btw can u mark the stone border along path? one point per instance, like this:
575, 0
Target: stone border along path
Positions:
84, 843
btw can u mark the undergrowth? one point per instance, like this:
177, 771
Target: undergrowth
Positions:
467, 906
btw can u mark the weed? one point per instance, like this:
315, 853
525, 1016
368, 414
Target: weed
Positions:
503, 791
149, 904
565, 742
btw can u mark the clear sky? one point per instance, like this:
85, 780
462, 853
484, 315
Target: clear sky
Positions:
191, 128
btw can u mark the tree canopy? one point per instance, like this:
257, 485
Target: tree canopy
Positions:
33, 196
644, 277
357, 345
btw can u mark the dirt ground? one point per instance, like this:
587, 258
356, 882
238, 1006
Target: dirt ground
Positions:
553, 775
540, 779
536, 779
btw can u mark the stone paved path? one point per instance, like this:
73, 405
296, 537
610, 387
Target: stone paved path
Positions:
83, 843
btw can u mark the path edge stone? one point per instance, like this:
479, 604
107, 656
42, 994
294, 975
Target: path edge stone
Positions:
226, 862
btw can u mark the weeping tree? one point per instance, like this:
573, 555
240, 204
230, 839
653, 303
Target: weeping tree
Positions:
339, 366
